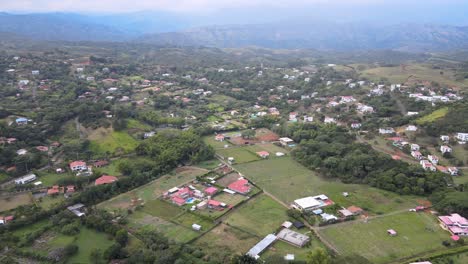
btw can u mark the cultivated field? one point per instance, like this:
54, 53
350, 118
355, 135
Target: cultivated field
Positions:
107, 140
417, 233
288, 180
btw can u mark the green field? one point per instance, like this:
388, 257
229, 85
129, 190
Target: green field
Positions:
83, 239
240, 154
417, 233
103, 141
288, 180
271, 148
140, 220
224, 241
210, 140
260, 216
439, 113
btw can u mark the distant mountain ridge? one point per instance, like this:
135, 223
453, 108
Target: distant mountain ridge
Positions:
140, 27
408, 37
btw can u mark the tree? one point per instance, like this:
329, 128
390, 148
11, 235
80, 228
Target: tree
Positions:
121, 237
244, 259
248, 134
318, 256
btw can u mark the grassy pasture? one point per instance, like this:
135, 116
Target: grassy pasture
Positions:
210, 140
240, 154
439, 113
107, 140
288, 180
259, 216
417, 233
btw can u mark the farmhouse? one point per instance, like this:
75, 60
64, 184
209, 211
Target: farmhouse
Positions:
5, 219
426, 165
285, 141
345, 212
292, 237
455, 224
328, 217
356, 125
311, 203
355, 210
216, 205
261, 246
105, 179
219, 137
26, 179
263, 154
445, 149
241, 186
78, 166
411, 128
415, 147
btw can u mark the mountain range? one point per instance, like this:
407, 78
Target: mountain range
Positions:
164, 29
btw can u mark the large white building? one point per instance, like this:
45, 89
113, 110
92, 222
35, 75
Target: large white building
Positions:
310, 203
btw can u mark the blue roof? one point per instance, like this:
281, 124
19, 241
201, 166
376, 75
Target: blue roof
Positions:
21, 119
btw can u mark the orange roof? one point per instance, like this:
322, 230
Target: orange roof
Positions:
263, 153
105, 179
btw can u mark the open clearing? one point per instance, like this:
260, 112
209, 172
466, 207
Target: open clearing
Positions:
288, 180
240, 155
417, 233
260, 216
439, 113
107, 140
154, 189
13, 201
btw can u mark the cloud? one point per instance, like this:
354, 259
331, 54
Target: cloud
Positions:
119, 6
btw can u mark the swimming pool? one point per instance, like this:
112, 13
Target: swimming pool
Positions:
190, 200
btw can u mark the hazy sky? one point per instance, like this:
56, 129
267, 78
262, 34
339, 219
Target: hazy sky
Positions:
385, 11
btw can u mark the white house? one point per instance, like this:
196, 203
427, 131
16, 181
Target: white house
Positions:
427, 165
329, 120
444, 138
285, 141
412, 113
417, 155
462, 136
388, 130
445, 149
415, 147
356, 125
411, 128
35, 72
26, 179
78, 166
433, 158
453, 171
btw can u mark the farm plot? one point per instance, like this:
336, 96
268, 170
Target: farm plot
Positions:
259, 216
224, 241
210, 140
142, 221
154, 189
229, 199
269, 147
417, 233
228, 179
240, 154
288, 180
11, 202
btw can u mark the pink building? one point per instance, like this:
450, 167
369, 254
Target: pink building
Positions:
455, 224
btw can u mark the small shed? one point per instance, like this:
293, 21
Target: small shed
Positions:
287, 224
196, 227
317, 211
392, 232
289, 257
298, 224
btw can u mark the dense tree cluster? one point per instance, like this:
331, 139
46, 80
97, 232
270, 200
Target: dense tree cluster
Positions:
332, 151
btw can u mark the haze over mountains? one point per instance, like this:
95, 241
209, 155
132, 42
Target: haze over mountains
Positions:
168, 29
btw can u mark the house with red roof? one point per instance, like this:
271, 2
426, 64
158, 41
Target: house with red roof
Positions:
211, 190
55, 190
219, 137
216, 205
42, 148
180, 197
455, 224
78, 165
263, 154
241, 186
178, 200
417, 155
5, 219
355, 210
105, 179
426, 165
